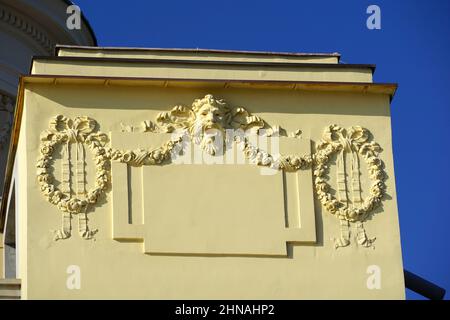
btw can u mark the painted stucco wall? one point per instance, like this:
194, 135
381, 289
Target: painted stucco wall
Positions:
191, 200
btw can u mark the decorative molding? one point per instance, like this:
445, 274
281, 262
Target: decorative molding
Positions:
296, 134
6, 105
206, 115
354, 141
80, 131
15, 20
207, 120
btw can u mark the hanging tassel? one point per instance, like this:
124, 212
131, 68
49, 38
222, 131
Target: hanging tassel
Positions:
361, 236
66, 230
344, 239
83, 228
356, 181
341, 178
65, 172
80, 171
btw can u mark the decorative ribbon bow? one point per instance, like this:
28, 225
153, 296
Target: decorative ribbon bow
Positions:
72, 131
348, 141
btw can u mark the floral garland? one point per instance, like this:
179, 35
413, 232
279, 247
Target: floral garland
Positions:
141, 157
290, 163
63, 130
260, 157
356, 140
82, 131
194, 122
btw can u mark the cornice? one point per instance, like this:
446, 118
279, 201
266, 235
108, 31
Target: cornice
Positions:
361, 87
29, 29
371, 67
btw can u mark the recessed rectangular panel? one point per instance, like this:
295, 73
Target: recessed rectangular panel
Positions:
217, 209
227, 208
299, 193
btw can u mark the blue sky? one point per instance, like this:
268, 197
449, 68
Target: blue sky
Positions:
412, 49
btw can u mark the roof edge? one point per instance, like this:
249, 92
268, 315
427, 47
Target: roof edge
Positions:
372, 67
193, 50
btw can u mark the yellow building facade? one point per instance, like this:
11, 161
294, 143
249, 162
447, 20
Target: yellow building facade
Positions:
202, 174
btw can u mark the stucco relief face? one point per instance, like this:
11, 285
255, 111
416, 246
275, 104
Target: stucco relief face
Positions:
208, 129
210, 116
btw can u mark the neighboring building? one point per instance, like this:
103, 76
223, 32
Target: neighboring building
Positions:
105, 201
29, 28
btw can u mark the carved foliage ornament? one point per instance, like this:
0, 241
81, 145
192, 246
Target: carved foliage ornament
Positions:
80, 131
197, 122
206, 121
